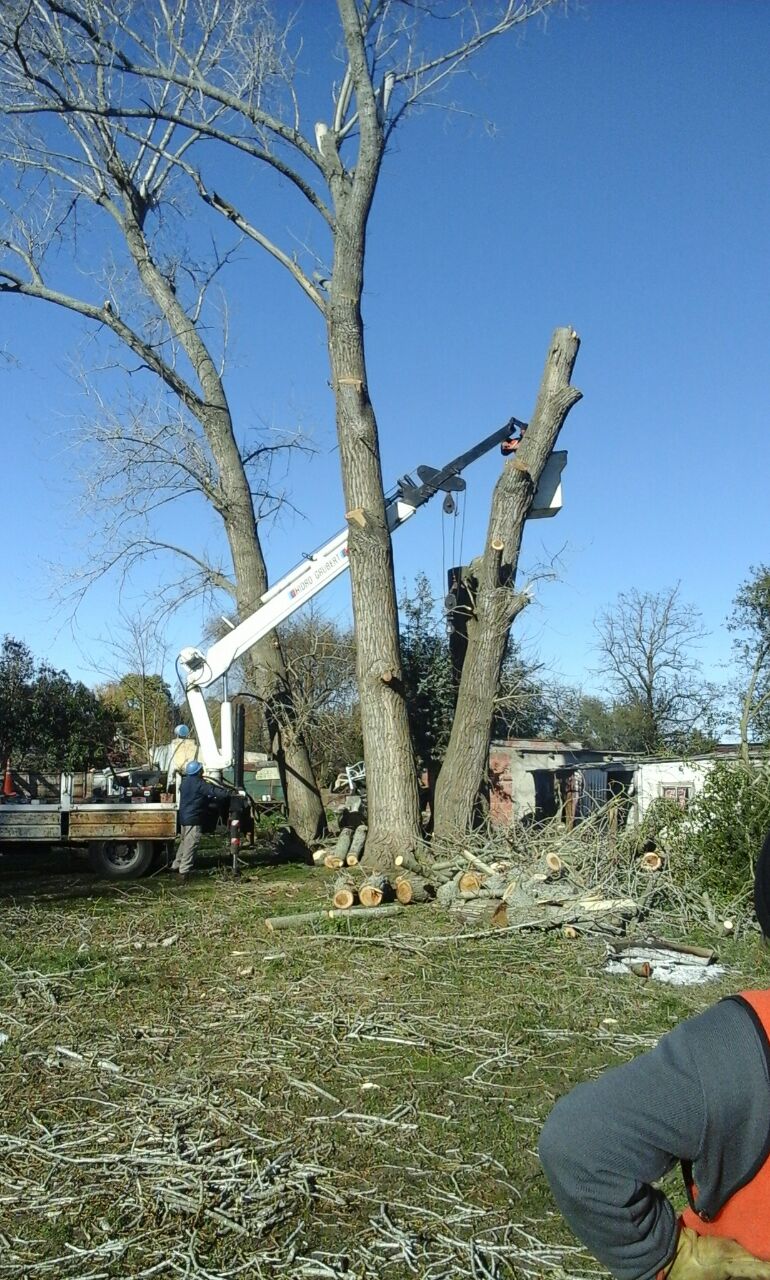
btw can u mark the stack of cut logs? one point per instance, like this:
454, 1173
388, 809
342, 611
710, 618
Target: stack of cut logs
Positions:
493, 893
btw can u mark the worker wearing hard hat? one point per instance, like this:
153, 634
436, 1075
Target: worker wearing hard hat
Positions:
184, 750
195, 793
700, 1098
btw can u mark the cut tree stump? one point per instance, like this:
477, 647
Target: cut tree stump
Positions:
413, 888
344, 892
372, 890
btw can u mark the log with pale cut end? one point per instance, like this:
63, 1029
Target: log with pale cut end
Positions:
413, 888
406, 862
333, 861
372, 890
319, 855
358, 841
469, 883
274, 923
569, 931
342, 844
651, 862
344, 892
554, 865
352, 860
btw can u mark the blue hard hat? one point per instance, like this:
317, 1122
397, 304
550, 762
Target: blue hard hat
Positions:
181, 731
194, 766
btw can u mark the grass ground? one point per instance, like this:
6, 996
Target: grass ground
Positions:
186, 1094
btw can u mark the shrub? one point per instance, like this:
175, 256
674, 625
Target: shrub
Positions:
724, 829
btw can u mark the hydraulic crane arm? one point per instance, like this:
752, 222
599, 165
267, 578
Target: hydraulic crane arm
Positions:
198, 670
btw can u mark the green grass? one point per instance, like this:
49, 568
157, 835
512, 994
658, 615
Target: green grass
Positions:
236, 1049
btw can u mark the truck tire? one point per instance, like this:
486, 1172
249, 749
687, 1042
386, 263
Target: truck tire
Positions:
121, 859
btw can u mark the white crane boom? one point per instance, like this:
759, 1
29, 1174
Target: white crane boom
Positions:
199, 670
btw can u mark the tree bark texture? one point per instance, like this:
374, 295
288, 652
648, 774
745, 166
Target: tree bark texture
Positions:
496, 601
391, 781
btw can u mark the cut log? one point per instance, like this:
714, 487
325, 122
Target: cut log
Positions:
651, 862
351, 860
446, 893
474, 861
495, 885
481, 910
274, 923
333, 862
344, 892
406, 862
342, 845
358, 842
413, 888
469, 884
569, 931
372, 890
318, 856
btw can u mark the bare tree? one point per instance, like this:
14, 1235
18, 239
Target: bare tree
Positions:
497, 602
78, 167
750, 625
136, 688
183, 73
648, 645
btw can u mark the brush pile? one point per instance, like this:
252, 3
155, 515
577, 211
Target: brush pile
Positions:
545, 878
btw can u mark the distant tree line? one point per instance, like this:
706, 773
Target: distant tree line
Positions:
656, 700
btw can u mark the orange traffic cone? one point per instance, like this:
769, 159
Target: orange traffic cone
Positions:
8, 787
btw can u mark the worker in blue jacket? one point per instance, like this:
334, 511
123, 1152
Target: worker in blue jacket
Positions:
195, 794
701, 1097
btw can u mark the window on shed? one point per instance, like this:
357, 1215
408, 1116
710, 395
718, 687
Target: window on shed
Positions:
675, 791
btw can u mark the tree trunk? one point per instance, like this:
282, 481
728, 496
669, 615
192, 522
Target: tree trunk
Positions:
497, 602
231, 496
391, 781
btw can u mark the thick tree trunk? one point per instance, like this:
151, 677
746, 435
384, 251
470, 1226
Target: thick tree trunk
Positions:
391, 781
497, 602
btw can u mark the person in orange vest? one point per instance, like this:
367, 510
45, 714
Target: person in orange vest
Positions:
701, 1098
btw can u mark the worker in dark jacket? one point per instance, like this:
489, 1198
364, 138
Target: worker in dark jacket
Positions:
194, 796
701, 1098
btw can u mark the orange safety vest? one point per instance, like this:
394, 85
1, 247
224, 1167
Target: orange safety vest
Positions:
745, 1217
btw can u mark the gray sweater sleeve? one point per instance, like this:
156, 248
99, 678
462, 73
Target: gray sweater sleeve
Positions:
701, 1095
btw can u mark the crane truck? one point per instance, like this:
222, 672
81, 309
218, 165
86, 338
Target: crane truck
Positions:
122, 837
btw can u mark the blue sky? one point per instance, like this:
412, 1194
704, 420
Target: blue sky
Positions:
609, 172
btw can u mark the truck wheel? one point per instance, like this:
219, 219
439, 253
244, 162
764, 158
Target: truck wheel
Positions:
121, 859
